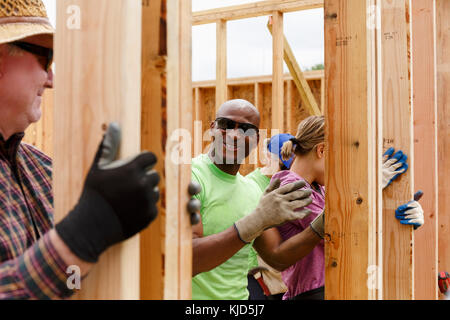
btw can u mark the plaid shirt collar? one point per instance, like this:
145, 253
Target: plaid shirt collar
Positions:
10, 147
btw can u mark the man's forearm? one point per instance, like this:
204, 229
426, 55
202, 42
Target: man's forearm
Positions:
211, 251
40, 272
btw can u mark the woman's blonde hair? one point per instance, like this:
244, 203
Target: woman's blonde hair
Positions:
310, 133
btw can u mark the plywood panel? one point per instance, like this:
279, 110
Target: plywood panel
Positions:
108, 53
246, 92
425, 148
266, 108
207, 114
350, 248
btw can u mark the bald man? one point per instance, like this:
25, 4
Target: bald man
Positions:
234, 211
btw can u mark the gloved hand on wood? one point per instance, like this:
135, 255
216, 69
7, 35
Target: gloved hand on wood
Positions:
118, 200
277, 206
411, 213
393, 166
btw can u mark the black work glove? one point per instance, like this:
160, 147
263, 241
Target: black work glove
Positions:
118, 200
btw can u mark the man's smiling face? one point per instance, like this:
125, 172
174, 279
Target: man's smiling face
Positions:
231, 144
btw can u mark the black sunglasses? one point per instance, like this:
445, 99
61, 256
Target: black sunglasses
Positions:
228, 124
46, 53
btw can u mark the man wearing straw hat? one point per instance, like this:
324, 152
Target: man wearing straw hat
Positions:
34, 255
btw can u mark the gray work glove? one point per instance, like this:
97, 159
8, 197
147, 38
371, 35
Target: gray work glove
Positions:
394, 165
276, 207
318, 225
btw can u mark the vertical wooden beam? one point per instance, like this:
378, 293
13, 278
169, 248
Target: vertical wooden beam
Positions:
350, 178
98, 81
198, 123
259, 100
425, 147
322, 95
302, 85
221, 63
178, 265
278, 79
395, 102
289, 106
153, 132
443, 101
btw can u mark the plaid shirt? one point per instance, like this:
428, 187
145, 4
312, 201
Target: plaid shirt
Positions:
30, 267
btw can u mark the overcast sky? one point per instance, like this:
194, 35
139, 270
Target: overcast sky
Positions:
249, 41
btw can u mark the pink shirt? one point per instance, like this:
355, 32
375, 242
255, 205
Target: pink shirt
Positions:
308, 273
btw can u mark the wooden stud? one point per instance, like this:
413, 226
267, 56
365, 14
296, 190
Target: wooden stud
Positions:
278, 82
153, 132
395, 103
221, 64
322, 95
289, 106
178, 264
443, 102
198, 123
425, 147
256, 9
306, 95
350, 178
98, 81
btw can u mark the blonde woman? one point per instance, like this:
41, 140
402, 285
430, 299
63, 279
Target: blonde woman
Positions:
297, 248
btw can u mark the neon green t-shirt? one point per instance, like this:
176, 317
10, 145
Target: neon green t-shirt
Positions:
225, 199
263, 182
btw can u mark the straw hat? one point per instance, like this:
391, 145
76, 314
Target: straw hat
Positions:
21, 19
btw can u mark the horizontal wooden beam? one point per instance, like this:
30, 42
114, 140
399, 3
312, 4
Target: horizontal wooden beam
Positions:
251, 10
309, 75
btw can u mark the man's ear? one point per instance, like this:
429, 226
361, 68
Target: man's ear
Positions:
320, 150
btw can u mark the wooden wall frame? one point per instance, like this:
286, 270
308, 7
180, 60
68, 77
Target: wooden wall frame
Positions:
357, 92
281, 50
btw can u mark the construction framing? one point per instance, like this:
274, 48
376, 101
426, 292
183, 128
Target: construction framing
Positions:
386, 83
